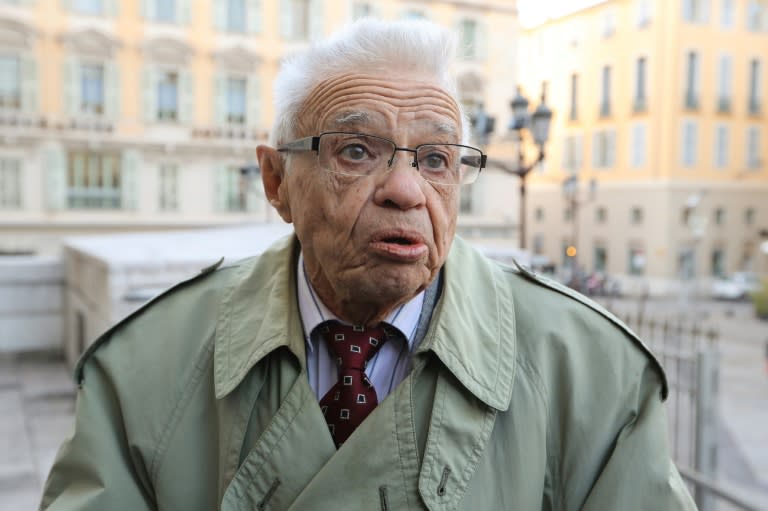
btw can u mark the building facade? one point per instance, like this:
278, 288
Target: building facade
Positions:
657, 171
122, 116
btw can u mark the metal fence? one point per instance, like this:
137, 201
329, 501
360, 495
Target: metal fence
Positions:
689, 354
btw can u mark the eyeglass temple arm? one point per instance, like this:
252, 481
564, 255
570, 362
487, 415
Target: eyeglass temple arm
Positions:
475, 161
302, 144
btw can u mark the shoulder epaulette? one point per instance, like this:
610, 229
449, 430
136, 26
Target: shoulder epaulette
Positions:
78, 373
567, 291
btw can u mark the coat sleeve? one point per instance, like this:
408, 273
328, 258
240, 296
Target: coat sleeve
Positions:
96, 468
639, 472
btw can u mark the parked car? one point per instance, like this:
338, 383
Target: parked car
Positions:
735, 287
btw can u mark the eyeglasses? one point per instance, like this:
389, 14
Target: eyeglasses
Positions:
358, 154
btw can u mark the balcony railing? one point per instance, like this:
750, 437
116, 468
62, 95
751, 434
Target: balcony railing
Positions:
754, 107
640, 105
724, 105
605, 109
691, 101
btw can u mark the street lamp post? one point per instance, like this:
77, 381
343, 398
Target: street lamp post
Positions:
571, 194
538, 124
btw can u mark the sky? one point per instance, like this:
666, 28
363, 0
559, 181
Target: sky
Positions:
533, 12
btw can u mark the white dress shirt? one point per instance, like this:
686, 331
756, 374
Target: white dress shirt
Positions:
388, 367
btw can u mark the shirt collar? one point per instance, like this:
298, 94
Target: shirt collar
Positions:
313, 311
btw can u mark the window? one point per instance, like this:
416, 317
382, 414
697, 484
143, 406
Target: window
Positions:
753, 147
601, 215
756, 15
718, 262
233, 190
466, 202
719, 216
168, 96
165, 11
10, 183
726, 14
636, 261
636, 216
298, 19
538, 243
696, 11
88, 6
721, 146
94, 180
724, 80
643, 13
639, 149
539, 214
572, 153
236, 100
689, 139
600, 258
568, 214
168, 187
609, 23
414, 14
10, 82
236, 16
361, 10
692, 81
92, 89
749, 216
640, 70
754, 87
605, 101
468, 33
604, 149
574, 113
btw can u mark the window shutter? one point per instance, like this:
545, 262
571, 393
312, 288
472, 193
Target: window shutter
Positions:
596, 149
111, 90
316, 8
112, 8
130, 167
253, 101
705, 8
579, 153
688, 10
29, 84
56, 178
72, 95
220, 98
286, 19
220, 182
481, 40
183, 12
219, 14
254, 15
149, 8
611, 152
149, 87
186, 98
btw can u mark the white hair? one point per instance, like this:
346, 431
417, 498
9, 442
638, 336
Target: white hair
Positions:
367, 45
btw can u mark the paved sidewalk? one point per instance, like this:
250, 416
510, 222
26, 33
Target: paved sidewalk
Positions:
37, 400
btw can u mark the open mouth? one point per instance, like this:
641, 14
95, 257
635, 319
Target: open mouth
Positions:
398, 240
400, 246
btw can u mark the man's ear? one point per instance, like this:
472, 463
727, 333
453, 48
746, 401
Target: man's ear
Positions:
272, 174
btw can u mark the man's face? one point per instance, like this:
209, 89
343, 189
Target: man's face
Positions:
372, 242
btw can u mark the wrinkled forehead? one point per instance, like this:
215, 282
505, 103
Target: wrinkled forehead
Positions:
381, 104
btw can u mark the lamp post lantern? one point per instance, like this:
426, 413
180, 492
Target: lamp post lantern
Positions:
537, 123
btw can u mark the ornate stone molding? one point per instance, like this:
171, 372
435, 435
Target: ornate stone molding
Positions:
91, 42
167, 50
16, 34
238, 59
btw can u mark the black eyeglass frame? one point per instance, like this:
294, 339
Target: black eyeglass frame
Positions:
313, 144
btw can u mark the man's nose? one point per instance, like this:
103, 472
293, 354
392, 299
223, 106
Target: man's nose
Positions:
402, 186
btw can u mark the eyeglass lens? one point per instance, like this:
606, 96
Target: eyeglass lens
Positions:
363, 155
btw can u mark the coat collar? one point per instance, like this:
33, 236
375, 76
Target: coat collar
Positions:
472, 328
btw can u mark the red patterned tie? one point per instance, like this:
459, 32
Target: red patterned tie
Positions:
353, 397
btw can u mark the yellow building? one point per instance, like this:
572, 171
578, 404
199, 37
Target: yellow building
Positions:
129, 115
662, 105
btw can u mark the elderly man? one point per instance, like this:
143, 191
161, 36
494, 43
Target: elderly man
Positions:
372, 361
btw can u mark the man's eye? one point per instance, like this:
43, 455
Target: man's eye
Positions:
354, 152
435, 161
